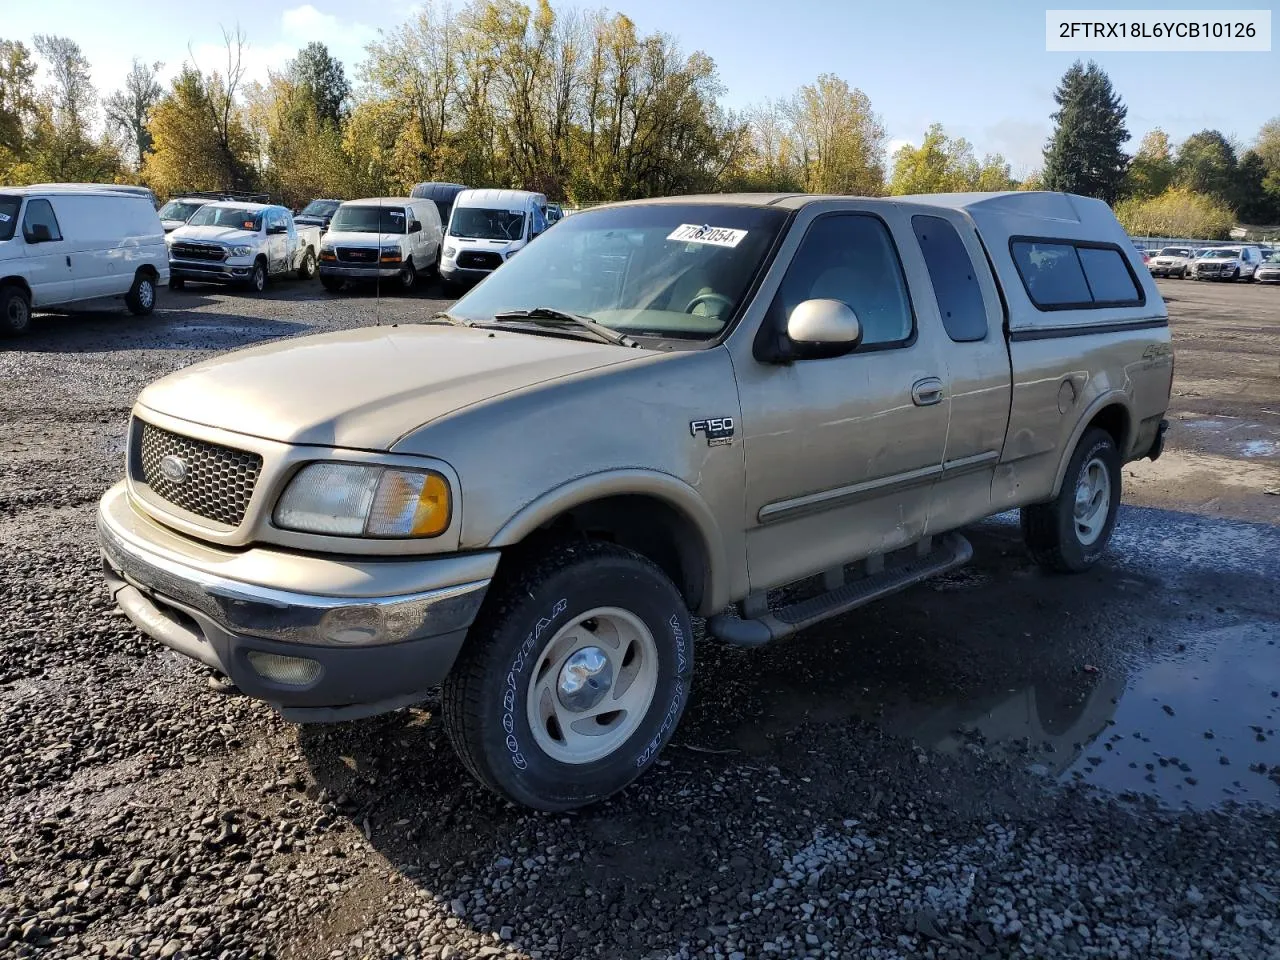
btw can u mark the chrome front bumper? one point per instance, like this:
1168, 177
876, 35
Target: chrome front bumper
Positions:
374, 652
351, 272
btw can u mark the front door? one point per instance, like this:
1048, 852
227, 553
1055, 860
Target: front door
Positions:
50, 267
278, 249
842, 453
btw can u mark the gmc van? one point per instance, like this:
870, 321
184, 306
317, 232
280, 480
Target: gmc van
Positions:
63, 247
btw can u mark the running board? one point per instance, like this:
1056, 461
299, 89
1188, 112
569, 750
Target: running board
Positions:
952, 551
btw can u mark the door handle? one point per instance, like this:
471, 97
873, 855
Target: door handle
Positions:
68, 260
926, 392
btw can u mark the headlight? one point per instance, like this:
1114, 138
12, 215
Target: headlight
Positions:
390, 254
449, 253
352, 500
243, 250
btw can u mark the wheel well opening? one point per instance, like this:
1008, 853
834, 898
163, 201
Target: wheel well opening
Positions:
1115, 421
646, 525
18, 282
147, 270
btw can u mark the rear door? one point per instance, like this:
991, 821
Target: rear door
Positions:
968, 307
48, 255
842, 453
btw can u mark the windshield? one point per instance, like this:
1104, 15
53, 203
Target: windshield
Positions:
319, 208
368, 219
1274, 258
478, 223
1175, 252
664, 270
238, 217
9, 207
179, 209
1222, 254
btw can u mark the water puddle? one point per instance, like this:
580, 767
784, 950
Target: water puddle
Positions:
1199, 728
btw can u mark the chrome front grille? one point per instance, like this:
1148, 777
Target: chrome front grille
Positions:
212, 481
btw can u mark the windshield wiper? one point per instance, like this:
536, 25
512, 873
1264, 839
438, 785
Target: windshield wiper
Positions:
553, 316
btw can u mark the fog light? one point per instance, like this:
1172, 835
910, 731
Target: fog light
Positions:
348, 625
295, 671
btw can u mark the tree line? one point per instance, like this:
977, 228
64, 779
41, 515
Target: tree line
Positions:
578, 105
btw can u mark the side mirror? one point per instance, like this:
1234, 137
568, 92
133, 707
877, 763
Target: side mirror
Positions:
39, 233
823, 328
415, 226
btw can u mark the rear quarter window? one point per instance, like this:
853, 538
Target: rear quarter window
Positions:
1109, 278
954, 279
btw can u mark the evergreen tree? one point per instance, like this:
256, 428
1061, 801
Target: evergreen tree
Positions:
1084, 154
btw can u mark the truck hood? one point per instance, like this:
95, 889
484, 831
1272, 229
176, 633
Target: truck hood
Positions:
217, 234
499, 246
365, 389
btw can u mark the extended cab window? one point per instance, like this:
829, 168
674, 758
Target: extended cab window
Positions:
39, 224
1064, 275
851, 257
955, 281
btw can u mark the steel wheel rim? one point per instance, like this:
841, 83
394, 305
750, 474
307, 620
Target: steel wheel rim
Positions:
407, 277
146, 295
309, 263
592, 685
259, 278
1092, 501
17, 313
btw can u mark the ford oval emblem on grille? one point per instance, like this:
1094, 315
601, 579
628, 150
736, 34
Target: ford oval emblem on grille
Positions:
174, 469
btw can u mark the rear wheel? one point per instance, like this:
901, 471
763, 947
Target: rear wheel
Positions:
141, 298
1070, 533
15, 311
574, 677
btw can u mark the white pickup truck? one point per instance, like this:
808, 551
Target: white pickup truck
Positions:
241, 243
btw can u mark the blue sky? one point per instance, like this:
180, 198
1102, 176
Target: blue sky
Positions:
979, 69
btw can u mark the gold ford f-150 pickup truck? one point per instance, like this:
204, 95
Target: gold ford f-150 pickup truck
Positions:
659, 409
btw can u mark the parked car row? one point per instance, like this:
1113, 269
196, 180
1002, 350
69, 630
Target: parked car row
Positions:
1245, 262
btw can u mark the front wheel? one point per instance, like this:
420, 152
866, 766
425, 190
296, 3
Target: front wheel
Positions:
332, 284
15, 311
307, 269
177, 283
1070, 533
408, 276
257, 281
574, 677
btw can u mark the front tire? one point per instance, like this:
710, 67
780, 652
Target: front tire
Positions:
1070, 533
307, 268
574, 678
15, 311
257, 281
408, 277
141, 298
177, 283
332, 284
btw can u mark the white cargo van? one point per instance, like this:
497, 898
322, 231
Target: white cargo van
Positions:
381, 238
63, 247
486, 228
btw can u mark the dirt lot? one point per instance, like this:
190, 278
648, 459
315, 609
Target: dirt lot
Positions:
997, 764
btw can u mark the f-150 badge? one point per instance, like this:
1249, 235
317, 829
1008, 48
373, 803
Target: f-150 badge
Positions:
717, 430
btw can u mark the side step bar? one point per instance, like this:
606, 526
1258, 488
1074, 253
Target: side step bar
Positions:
952, 551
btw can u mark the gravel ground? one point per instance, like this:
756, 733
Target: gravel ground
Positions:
996, 764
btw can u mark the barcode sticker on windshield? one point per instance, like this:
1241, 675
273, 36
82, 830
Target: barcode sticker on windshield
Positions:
719, 236
5, 218
396, 213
